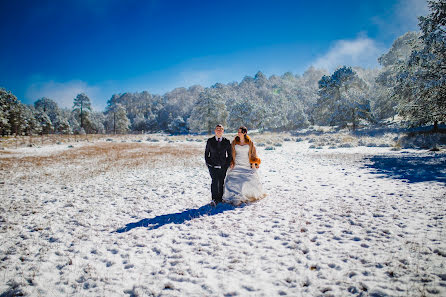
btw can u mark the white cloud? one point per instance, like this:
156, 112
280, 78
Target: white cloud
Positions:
64, 92
403, 18
362, 52
407, 13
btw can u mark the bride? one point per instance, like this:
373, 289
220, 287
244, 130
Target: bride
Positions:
242, 182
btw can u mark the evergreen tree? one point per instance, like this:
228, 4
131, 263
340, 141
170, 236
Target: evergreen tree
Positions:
63, 126
342, 98
12, 114
97, 120
393, 62
209, 110
30, 121
117, 120
44, 121
178, 126
49, 107
421, 84
139, 123
242, 112
82, 110
6, 100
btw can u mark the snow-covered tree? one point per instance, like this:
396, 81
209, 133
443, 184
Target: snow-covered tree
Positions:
31, 126
243, 112
273, 113
117, 120
295, 115
63, 126
342, 98
7, 100
139, 123
49, 107
178, 126
97, 120
82, 110
209, 110
393, 62
421, 85
44, 121
12, 117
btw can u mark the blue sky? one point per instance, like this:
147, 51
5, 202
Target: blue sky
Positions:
58, 49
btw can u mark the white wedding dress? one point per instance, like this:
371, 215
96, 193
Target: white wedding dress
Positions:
242, 183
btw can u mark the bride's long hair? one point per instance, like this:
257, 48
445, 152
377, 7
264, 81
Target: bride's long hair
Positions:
252, 153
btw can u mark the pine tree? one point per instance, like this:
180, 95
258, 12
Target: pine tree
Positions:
421, 84
44, 121
242, 112
393, 62
178, 126
342, 98
12, 114
49, 107
209, 110
117, 120
82, 109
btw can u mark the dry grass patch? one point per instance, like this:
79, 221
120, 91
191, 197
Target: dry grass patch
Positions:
42, 140
91, 160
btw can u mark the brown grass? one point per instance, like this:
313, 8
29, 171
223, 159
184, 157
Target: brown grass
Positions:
93, 159
37, 140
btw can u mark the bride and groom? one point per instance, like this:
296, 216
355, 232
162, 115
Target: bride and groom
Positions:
239, 184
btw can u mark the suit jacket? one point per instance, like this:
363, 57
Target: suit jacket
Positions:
218, 153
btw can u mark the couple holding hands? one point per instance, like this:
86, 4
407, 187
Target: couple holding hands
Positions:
241, 183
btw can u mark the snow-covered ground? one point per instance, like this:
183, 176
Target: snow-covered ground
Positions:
362, 221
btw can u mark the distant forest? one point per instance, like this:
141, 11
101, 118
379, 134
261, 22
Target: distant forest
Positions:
411, 83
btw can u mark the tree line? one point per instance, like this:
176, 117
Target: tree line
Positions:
411, 83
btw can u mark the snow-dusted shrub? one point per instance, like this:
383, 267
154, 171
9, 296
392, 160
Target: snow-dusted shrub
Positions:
261, 144
347, 145
270, 148
299, 139
424, 140
278, 144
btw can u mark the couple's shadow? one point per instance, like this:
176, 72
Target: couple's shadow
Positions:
179, 217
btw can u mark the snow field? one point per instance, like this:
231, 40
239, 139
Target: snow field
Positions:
333, 224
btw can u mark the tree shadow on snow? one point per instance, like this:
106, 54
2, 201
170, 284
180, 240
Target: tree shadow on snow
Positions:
179, 217
411, 168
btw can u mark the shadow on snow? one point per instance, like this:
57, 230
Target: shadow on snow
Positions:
179, 217
411, 168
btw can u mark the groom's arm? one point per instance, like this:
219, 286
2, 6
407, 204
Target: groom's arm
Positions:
207, 152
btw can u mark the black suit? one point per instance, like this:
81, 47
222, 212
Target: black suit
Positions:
218, 156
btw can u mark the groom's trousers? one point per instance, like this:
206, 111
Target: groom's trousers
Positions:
218, 179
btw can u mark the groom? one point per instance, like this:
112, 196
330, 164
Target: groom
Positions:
218, 156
